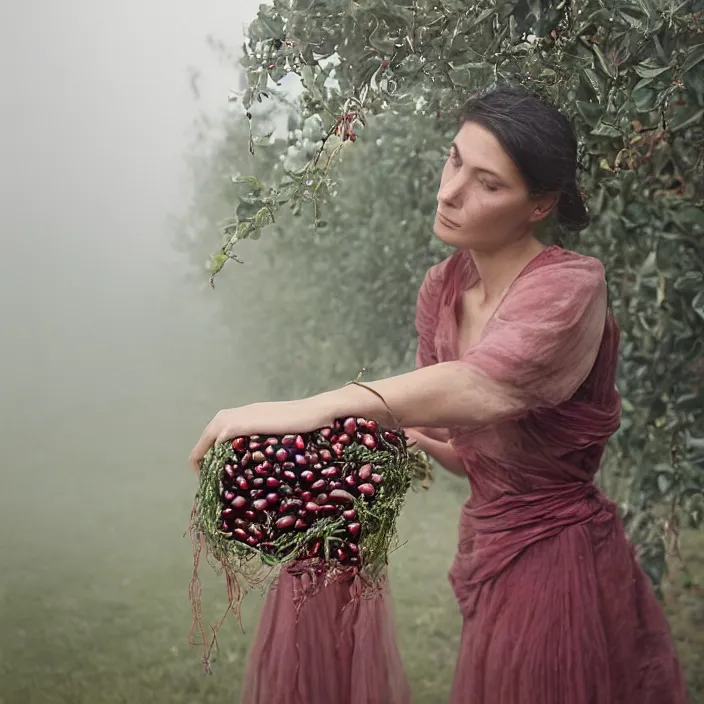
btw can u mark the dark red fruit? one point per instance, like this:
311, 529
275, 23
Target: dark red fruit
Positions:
349, 515
353, 529
365, 472
338, 448
239, 534
271, 441
350, 426
350, 481
369, 441
272, 499
377, 478
366, 489
326, 455
281, 455
390, 438
319, 485
273, 482
239, 444
250, 515
285, 522
239, 502
328, 509
340, 496
299, 443
329, 473
288, 440
372, 426
230, 471
254, 445
291, 476
260, 505
307, 476
228, 496
258, 482
306, 496
311, 507
326, 432
300, 524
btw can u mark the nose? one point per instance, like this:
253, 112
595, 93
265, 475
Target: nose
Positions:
451, 191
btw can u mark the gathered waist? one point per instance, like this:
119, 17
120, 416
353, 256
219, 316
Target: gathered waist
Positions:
495, 534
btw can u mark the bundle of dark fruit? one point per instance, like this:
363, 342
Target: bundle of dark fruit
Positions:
324, 502
333, 494
276, 485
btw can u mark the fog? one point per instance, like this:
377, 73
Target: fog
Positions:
112, 357
115, 354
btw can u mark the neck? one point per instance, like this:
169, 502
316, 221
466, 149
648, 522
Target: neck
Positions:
498, 269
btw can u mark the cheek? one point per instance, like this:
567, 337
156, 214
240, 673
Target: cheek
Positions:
498, 206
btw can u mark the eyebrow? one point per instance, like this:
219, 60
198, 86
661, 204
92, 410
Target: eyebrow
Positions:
480, 170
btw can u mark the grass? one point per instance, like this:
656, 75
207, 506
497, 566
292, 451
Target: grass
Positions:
95, 610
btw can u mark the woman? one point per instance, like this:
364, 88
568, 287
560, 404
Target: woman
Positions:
515, 388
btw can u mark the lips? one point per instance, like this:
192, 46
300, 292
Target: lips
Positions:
446, 221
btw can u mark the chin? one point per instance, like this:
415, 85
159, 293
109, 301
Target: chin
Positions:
451, 236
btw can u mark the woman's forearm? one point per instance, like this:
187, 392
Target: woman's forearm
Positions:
439, 396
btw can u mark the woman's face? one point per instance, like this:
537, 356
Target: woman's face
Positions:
483, 202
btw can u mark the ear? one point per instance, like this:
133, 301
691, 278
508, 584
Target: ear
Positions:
543, 206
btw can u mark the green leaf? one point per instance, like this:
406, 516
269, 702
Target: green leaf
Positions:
645, 71
606, 66
644, 99
664, 483
217, 262
698, 304
605, 130
685, 118
691, 281
591, 112
696, 56
255, 184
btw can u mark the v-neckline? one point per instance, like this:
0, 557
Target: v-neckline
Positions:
469, 278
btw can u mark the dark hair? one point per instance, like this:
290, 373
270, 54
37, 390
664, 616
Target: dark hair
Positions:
541, 142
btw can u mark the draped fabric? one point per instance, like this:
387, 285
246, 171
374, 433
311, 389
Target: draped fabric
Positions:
337, 646
555, 606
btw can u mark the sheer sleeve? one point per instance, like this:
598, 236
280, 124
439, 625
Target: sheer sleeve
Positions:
427, 312
542, 342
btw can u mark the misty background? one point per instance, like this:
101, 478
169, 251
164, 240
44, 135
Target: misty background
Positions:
112, 356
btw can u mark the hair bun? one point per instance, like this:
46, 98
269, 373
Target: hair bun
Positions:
571, 210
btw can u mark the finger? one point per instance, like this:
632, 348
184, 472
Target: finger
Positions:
207, 439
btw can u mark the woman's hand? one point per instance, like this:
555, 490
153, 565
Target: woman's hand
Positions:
276, 418
440, 450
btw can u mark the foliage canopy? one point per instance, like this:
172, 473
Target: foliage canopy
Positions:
380, 83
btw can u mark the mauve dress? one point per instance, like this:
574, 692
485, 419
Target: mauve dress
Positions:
555, 607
